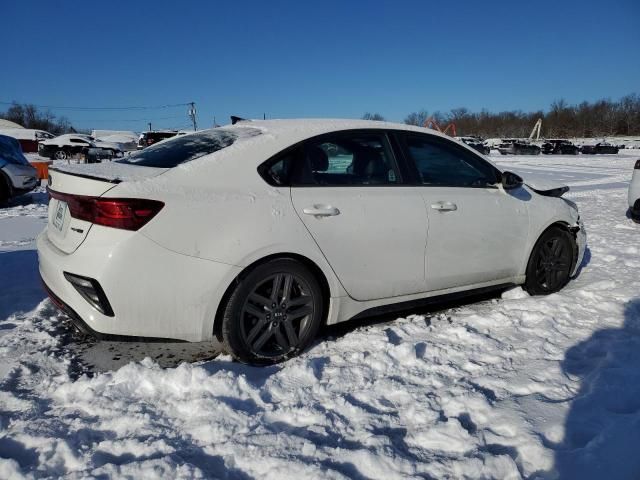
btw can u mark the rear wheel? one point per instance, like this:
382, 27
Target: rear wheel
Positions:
273, 313
550, 263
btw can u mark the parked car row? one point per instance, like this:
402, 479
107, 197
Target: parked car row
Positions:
599, 148
514, 146
475, 143
553, 146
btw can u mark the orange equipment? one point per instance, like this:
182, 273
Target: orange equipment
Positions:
431, 123
42, 167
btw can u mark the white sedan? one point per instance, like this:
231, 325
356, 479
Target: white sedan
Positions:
634, 193
260, 232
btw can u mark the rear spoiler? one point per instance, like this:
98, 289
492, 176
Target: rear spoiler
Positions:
235, 119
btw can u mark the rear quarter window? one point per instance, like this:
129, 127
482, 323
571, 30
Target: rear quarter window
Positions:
185, 148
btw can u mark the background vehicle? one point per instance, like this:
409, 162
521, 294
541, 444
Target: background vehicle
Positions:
27, 137
112, 148
260, 232
634, 193
149, 138
66, 146
599, 148
17, 176
518, 147
559, 147
476, 143
126, 143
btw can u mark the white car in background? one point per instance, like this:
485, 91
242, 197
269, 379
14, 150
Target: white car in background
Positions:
261, 232
68, 145
634, 193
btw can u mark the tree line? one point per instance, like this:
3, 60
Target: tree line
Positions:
588, 119
30, 117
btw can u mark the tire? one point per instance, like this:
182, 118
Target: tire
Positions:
549, 267
60, 155
261, 326
4, 189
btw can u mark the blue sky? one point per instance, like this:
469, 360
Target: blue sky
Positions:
312, 59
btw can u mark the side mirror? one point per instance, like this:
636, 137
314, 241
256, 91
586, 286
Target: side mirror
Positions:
510, 180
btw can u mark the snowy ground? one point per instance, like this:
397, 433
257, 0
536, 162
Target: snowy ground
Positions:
510, 387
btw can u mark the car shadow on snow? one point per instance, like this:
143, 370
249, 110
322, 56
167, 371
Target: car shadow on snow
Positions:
602, 428
20, 288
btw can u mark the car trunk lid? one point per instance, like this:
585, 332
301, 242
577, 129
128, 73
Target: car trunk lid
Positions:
66, 232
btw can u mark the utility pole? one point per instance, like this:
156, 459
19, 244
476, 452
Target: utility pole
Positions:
192, 115
149, 126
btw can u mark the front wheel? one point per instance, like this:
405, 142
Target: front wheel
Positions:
273, 313
61, 155
550, 263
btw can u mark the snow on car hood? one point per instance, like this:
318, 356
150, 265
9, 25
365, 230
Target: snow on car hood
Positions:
114, 172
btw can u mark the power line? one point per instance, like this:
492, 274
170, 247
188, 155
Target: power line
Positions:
158, 107
134, 120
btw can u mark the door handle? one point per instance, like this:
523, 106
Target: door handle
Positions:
321, 211
444, 206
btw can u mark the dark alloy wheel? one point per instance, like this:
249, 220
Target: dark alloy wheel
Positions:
550, 264
273, 314
61, 155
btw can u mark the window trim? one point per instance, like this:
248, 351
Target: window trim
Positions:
450, 144
395, 159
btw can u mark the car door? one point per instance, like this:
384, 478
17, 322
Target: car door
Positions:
78, 145
371, 228
477, 230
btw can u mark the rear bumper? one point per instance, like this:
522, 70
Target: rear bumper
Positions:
23, 178
156, 294
82, 326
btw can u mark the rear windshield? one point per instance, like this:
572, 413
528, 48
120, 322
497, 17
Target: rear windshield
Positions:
185, 148
11, 152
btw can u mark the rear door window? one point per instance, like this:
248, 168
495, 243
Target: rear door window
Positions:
185, 148
346, 158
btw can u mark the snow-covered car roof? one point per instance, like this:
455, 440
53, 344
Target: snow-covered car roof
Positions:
65, 139
293, 129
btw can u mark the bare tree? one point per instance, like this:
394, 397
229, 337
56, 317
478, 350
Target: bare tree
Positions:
373, 116
30, 117
417, 118
602, 117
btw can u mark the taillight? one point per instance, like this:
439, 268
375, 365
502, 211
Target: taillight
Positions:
637, 167
123, 213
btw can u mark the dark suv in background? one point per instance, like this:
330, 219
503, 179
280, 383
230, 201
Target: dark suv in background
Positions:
559, 147
149, 138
